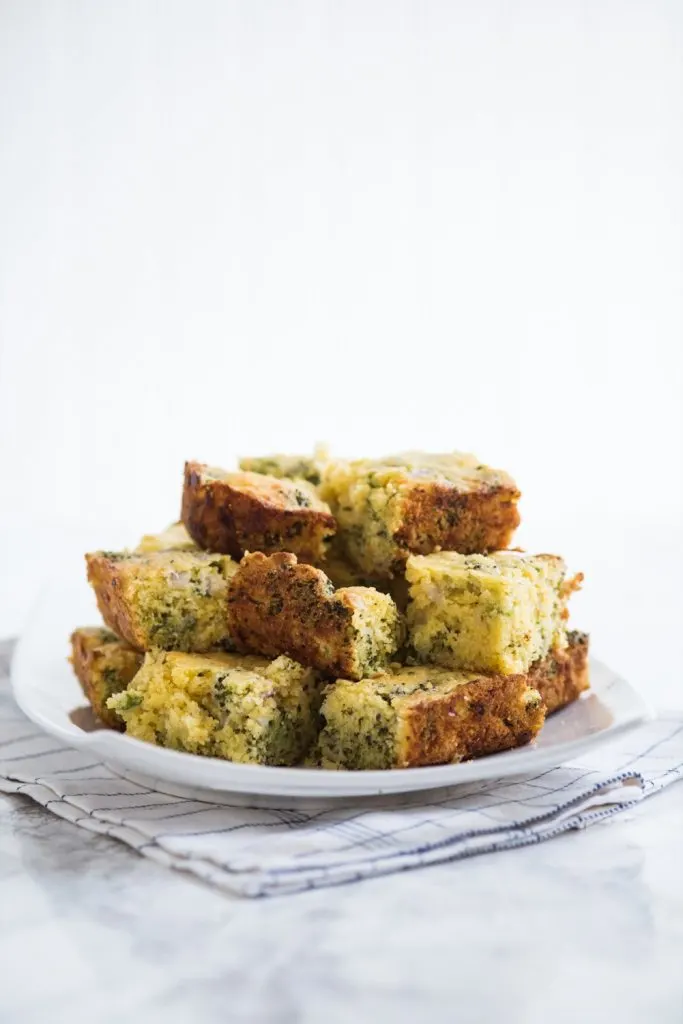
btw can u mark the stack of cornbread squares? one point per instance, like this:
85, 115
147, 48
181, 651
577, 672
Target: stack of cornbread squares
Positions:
341, 614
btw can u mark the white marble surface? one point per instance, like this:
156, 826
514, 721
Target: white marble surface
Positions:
588, 927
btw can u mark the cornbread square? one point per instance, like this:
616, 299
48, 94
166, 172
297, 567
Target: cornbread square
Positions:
486, 613
295, 467
424, 715
277, 605
566, 674
238, 512
174, 538
418, 503
176, 600
237, 707
104, 665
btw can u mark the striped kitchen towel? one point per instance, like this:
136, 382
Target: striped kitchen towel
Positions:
245, 846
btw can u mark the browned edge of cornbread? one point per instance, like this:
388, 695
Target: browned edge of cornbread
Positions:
105, 577
439, 516
86, 652
221, 515
482, 717
563, 675
277, 605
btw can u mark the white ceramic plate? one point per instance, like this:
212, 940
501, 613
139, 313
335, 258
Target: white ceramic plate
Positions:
47, 691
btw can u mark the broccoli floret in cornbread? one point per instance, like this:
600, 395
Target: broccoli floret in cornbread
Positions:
176, 600
279, 606
418, 503
104, 665
174, 538
295, 467
426, 715
239, 707
566, 673
486, 613
238, 512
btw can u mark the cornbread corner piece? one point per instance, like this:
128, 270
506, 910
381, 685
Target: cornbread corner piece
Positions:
486, 613
238, 512
238, 707
176, 600
174, 538
425, 715
418, 503
277, 605
564, 675
104, 665
294, 467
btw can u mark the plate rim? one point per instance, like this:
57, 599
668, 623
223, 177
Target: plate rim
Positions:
220, 776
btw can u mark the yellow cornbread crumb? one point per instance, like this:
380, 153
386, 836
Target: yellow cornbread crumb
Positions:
176, 600
418, 503
293, 467
238, 707
487, 613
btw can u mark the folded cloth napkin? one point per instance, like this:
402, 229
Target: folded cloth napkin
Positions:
247, 847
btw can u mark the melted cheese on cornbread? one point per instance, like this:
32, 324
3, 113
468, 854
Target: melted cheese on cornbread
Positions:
489, 613
238, 707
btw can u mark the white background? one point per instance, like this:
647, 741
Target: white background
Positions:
242, 227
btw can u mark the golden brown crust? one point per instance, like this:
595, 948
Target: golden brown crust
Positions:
563, 676
437, 515
277, 605
482, 717
176, 600
91, 655
253, 512
489, 714
106, 578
